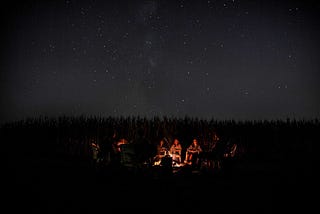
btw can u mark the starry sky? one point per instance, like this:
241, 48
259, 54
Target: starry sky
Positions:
222, 59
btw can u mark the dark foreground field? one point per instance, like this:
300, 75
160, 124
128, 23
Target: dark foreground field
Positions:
275, 174
51, 185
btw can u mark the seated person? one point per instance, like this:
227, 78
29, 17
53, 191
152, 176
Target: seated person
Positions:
162, 150
175, 151
116, 148
193, 152
95, 149
215, 152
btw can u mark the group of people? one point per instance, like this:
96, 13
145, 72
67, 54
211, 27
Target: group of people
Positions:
192, 153
196, 155
167, 151
164, 149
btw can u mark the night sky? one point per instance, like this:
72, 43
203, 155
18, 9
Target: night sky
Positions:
222, 59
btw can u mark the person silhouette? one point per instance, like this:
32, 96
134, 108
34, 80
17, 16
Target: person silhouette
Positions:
193, 152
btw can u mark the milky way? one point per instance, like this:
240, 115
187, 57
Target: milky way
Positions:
231, 59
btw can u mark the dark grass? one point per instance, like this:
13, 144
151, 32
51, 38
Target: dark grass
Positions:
271, 176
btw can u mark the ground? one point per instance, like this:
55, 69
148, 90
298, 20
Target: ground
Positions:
62, 185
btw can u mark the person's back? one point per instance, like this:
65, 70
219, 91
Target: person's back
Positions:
145, 151
128, 155
216, 154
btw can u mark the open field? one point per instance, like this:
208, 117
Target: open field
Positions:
46, 180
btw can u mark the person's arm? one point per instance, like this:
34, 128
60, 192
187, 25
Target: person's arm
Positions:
171, 149
233, 150
179, 149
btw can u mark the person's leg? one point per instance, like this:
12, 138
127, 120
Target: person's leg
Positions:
186, 158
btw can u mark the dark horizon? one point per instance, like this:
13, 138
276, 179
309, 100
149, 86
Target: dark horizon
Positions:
227, 60
45, 118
